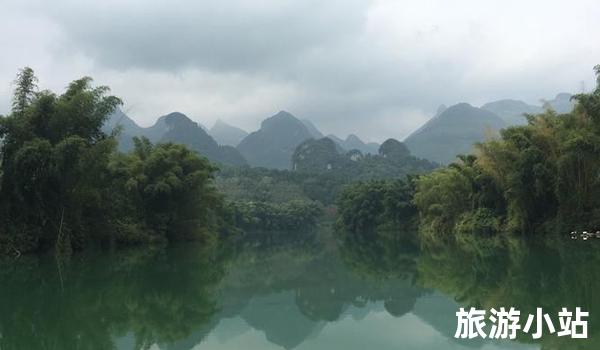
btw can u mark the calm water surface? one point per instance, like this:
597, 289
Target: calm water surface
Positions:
301, 292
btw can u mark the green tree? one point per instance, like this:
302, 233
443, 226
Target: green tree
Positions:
167, 193
25, 88
54, 161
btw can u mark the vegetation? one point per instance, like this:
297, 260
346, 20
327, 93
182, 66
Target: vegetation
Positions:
318, 180
293, 215
365, 206
166, 191
393, 161
143, 295
531, 176
63, 184
489, 273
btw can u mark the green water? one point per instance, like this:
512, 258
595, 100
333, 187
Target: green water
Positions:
298, 292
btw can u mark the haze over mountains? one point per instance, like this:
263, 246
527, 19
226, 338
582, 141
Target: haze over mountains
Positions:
273, 144
226, 134
177, 128
455, 129
511, 111
451, 131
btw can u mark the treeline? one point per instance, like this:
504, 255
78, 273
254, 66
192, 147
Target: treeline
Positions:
531, 177
64, 185
377, 204
540, 176
260, 199
392, 161
278, 186
292, 215
264, 196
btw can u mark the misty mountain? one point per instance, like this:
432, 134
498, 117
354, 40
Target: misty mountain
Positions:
561, 103
181, 129
453, 132
274, 143
156, 132
318, 155
354, 142
226, 134
129, 129
441, 108
174, 127
337, 142
392, 160
512, 111
312, 129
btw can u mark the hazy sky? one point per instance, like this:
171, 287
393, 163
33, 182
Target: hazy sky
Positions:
375, 68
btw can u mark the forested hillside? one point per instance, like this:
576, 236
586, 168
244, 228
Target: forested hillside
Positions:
64, 185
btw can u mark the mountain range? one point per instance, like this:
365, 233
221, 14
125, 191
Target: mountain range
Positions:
512, 111
226, 134
273, 144
353, 142
452, 130
177, 128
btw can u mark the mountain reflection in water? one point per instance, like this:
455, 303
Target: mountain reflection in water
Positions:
296, 292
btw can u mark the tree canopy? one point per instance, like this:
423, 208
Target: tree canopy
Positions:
64, 184
529, 177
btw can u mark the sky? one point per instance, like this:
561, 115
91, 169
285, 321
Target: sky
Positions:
375, 68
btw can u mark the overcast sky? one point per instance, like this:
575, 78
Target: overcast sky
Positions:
375, 68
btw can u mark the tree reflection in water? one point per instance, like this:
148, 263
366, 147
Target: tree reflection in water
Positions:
289, 287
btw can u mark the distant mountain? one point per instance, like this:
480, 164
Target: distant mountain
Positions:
393, 160
562, 103
440, 110
129, 129
453, 132
181, 129
177, 128
354, 142
312, 129
318, 155
512, 111
226, 134
274, 143
336, 139
338, 143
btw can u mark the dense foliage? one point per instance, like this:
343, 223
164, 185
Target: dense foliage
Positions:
144, 295
365, 206
278, 186
319, 176
63, 183
269, 199
164, 190
544, 172
293, 215
393, 161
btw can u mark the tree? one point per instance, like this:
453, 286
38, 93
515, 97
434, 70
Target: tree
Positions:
519, 182
63, 184
25, 87
166, 191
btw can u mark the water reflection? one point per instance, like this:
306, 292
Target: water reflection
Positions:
376, 290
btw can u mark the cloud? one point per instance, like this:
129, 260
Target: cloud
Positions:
377, 68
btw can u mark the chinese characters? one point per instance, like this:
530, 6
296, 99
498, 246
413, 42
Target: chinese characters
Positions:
505, 324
